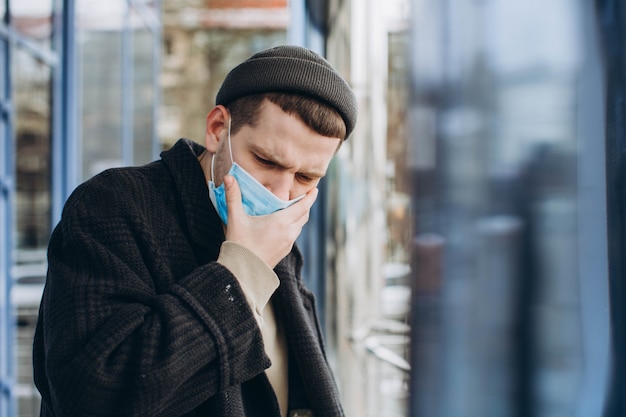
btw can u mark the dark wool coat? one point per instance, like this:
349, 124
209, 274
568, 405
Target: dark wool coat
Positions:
137, 318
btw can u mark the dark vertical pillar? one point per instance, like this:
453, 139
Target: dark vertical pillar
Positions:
611, 15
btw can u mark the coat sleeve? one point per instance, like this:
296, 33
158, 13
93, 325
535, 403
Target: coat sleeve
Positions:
115, 340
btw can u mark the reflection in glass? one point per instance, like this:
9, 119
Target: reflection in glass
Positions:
494, 109
397, 181
144, 3
31, 84
31, 18
396, 291
103, 15
195, 62
143, 95
100, 60
116, 51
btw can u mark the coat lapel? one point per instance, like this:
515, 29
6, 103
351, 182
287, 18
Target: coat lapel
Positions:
203, 224
295, 307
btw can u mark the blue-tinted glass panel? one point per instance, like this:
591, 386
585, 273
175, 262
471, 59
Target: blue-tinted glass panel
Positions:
31, 84
194, 64
6, 234
31, 89
100, 58
496, 120
143, 70
32, 18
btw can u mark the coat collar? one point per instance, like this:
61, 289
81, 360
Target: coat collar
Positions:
203, 223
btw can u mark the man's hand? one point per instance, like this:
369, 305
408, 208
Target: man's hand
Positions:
272, 236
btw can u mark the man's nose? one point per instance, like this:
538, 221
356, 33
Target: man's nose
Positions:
281, 186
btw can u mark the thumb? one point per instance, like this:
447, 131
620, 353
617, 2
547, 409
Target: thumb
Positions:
233, 197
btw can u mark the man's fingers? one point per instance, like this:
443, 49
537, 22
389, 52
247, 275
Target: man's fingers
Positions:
312, 195
303, 207
307, 201
233, 196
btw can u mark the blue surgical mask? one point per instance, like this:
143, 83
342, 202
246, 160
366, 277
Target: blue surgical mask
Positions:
257, 200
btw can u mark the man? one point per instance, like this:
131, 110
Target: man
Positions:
174, 289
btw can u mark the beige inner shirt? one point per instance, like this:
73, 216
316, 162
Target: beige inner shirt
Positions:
259, 282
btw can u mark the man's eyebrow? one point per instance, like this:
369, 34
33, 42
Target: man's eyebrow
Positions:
263, 154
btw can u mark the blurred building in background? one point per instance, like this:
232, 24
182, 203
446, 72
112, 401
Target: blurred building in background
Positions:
507, 156
467, 245
202, 41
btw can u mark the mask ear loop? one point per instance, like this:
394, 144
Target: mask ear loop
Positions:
230, 149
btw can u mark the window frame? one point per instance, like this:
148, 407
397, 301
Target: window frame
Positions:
65, 142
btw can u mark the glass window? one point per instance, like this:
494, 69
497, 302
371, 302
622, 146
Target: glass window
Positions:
32, 18
31, 87
392, 379
397, 181
495, 106
32, 125
369, 213
31, 83
100, 58
199, 51
114, 78
143, 94
7, 229
149, 3
117, 99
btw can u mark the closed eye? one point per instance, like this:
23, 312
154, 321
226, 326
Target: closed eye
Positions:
305, 179
264, 161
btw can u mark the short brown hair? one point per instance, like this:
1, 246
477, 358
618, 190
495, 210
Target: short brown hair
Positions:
318, 116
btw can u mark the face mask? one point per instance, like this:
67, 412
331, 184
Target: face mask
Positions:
257, 200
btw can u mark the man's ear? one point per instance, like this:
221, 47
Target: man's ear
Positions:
216, 127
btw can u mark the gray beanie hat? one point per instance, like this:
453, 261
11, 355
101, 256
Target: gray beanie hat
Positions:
291, 69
